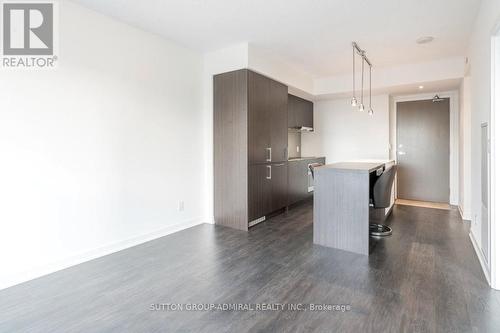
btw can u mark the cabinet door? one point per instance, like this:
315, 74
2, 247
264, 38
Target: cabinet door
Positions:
300, 112
259, 190
297, 181
292, 111
279, 180
305, 113
308, 114
278, 101
259, 141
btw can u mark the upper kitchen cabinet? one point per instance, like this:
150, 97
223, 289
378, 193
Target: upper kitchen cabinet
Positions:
300, 113
267, 120
259, 117
278, 123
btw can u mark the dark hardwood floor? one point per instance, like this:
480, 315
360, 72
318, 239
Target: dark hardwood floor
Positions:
425, 278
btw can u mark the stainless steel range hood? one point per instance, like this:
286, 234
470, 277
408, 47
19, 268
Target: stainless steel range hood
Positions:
301, 129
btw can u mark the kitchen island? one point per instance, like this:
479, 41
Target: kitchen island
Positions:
342, 203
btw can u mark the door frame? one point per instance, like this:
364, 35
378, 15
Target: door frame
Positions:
454, 136
494, 167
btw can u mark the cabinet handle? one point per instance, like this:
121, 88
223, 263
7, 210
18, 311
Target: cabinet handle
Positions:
269, 172
281, 164
269, 154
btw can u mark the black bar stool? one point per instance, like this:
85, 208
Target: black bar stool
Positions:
381, 199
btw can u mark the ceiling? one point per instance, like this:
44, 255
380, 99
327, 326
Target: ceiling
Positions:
432, 87
312, 35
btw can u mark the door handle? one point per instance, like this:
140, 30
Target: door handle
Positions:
269, 154
269, 172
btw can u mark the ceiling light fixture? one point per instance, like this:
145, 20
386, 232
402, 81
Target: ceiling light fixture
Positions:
420, 87
425, 40
437, 99
354, 101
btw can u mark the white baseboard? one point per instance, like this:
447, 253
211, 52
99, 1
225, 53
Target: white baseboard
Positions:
465, 215
94, 253
480, 256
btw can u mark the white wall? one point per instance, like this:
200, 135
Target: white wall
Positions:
480, 82
495, 163
278, 69
341, 133
392, 129
465, 147
97, 153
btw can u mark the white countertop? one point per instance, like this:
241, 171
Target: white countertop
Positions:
292, 159
357, 166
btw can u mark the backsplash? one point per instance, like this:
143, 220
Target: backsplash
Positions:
294, 144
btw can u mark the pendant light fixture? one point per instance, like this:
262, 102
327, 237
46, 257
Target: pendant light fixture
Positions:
361, 105
370, 109
354, 101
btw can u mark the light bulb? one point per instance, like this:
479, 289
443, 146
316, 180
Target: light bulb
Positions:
354, 102
370, 112
361, 107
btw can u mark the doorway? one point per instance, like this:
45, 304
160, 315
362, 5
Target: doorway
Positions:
423, 150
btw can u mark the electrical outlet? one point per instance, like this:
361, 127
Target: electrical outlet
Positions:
180, 206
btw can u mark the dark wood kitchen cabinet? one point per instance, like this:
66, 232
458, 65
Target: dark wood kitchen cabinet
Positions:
267, 119
267, 189
259, 145
279, 185
300, 180
297, 181
259, 191
278, 122
300, 112
250, 147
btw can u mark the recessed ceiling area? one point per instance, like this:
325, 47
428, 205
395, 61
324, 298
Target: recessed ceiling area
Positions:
431, 87
313, 36
428, 87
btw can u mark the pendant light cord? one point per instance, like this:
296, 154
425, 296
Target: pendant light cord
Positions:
370, 88
353, 73
362, 78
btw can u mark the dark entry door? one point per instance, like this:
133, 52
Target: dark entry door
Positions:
423, 150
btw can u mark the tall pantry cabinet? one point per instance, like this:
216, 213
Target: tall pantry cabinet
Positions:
250, 147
